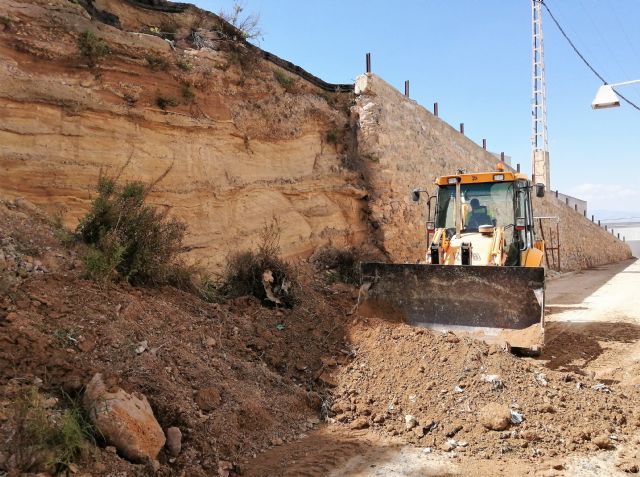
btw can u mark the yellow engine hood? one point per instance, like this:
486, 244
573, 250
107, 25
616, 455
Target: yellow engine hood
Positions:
485, 249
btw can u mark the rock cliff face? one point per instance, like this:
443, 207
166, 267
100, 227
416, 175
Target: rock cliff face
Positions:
244, 142
113, 87
404, 146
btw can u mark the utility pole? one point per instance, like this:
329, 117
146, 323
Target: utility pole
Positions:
539, 142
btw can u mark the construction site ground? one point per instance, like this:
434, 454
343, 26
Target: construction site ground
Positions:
317, 390
593, 335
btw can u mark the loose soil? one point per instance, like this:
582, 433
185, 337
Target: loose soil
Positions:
234, 377
311, 390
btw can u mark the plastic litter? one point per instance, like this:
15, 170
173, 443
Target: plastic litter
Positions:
516, 417
601, 387
493, 379
541, 379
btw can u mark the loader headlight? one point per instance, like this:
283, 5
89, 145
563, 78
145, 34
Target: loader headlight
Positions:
498, 177
452, 180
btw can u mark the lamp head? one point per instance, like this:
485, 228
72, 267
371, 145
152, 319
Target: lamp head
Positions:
605, 98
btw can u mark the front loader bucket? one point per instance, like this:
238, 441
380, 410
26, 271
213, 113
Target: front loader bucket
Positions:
496, 304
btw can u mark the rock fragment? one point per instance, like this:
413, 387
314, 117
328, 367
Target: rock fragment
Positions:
410, 422
360, 423
174, 441
495, 417
125, 420
603, 442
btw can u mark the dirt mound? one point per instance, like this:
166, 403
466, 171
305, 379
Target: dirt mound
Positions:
235, 378
448, 393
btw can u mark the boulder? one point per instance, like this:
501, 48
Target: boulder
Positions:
495, 417
125, 420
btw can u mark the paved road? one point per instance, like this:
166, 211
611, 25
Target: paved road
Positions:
593, 322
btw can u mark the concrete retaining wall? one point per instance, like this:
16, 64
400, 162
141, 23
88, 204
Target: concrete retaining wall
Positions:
404, 146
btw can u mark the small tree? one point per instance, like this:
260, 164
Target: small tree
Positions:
247, 26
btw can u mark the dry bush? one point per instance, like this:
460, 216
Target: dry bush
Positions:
131, 239
261, 273
340, 264
188, 93
247, 26
92, 47
157, 63
166, 102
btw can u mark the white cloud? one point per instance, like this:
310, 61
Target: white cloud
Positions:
615, 197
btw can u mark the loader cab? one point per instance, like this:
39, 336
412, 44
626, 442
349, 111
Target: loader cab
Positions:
472, 204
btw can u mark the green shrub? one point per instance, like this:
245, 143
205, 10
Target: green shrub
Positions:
56, 439
165, 102
262, 273
138, 242
60, 233
340, 264
285, 80
101, 264
332, 136
92, 47
157, 63
187, 92
6, 22
185, 65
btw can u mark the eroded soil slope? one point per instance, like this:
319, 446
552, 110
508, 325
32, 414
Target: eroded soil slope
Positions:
137, 91
235, 377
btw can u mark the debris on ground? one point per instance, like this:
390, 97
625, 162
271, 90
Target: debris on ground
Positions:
398, 372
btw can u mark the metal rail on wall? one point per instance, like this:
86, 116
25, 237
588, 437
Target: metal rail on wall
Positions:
554, 249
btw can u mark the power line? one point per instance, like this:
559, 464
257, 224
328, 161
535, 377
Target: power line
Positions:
582, 57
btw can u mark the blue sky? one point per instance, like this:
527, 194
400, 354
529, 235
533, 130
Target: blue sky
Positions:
474, 58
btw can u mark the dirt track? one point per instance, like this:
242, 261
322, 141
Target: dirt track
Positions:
593, 330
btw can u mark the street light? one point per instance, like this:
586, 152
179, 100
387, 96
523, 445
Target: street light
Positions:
606, 96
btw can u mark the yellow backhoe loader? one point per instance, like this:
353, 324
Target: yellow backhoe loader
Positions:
482, 274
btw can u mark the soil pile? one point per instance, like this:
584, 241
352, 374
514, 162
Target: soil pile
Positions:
449, 393
234, 378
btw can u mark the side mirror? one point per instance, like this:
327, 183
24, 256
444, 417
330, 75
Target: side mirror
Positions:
415, 195
539, 190
431, 226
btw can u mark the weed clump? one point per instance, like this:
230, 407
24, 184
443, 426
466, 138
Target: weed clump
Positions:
157, 63
166, 102
185, 65
187, 92
6, 22
131, 239
46, 439
92, 47
332, 136
340, 264
261, 273
285, 81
